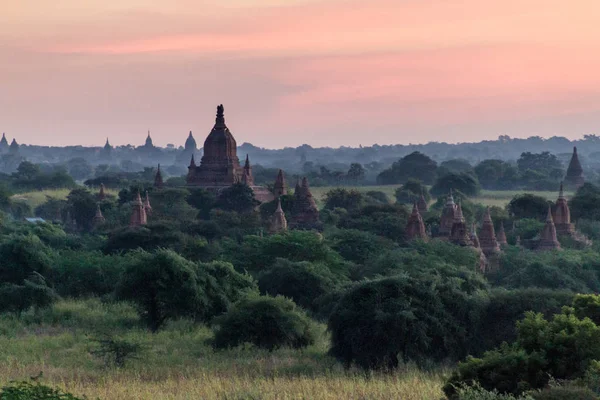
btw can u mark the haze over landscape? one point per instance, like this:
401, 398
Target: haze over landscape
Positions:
322, 72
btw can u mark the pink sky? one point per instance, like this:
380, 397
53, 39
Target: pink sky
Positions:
322, 72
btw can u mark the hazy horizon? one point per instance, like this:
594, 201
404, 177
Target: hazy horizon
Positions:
322, 72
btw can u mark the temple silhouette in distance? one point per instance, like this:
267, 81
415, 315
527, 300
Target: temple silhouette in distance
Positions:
220, 166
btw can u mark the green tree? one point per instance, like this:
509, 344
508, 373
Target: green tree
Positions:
266, 322
465, 183
415, 165
350, 199
238, 197
82, 206
528, 206
411, 191
356, 173
163, 285
497, 174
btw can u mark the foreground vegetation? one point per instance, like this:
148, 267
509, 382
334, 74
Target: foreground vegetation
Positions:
179, 362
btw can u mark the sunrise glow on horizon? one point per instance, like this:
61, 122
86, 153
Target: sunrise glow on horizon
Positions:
322, 72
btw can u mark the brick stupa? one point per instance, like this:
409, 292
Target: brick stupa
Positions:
147, 205
278, 222
487, 236
448, 215
460, 234
102, 192
574, 177
548, 240
415, 227
138, 212
483, 261
280, 187
562, 215
305, 214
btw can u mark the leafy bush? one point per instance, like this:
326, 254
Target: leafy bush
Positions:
477, 393
411, 192
266, 322
115, 351
465, 183
303, 282
33, 391
350, 199
378, 322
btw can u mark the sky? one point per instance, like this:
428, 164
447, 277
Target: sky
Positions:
322, 72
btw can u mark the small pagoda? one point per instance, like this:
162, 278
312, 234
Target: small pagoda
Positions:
158, 179
460, 234
415, 227
574, 177
422, 204
562, 215
448, 216
305, 214
280, 187
548, 240
138, 212
501, 236
98, 218
487, 236
278, 221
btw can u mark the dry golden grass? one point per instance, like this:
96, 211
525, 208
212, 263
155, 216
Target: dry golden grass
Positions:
178, 363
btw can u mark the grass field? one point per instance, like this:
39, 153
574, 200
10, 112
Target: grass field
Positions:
178, 363
34, 199
498, 198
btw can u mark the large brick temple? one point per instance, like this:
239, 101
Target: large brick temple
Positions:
220, 166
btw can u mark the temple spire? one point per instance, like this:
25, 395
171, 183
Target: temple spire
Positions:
278, 220
548, 240
280, 187
102, 192
501, 236
422, 203
220, 120
415, 227
138, 213
574, 176
192, 162
98, 218
158, 179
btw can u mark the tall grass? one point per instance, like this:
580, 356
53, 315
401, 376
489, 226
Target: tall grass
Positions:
179, 363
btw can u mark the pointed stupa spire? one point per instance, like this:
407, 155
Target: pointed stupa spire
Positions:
98, 218
501, 236
280, 187
562, 215
487, 236
148, 140
574, 176
3, 142
278, 220
138, 212
459, 233
190, 143
147, 205
422, 203
548, 240
220, 119
448, 214
192, 162
474, 237
247, 177
14, 146
305, 213
458, 215
158, 179
415, 227
102, 192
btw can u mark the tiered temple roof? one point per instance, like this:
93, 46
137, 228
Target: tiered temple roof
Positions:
415, 227
138, 212
562, 215
280, 187
487, 236
548, 240
278, 221
460, 234
448, 216
574, 177
304, 213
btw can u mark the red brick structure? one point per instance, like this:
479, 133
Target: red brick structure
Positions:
422, 204
278, 222
280, 187
459, 234
487, 236
574, 177
138, 212
305, 214
415, 227
562, 215
548, 240
220, 166
147, 206
448, 216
